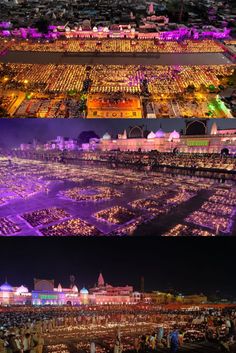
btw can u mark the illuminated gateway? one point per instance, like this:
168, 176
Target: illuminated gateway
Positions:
45, 293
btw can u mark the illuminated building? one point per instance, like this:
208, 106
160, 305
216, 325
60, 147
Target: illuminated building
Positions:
46, 293
14, 295
195, 139
157, 297
84, 295
104, 293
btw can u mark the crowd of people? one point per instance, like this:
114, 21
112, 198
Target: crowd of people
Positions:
148, 160
23, 329
21, 341
189, 160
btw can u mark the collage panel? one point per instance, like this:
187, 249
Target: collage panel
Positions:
146, 67
174, 296
109, 178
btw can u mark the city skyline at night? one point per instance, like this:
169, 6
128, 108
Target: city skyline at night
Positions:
166, 265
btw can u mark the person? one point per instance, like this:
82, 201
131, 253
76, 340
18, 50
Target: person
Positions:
40, 343
160, 334
143, 343
117, 346
27, 343
136, 344
152, 341
19, 343
118, 333
181, 338
168, 339
228, 325
2, 343
174, 341
13, 343
92, 347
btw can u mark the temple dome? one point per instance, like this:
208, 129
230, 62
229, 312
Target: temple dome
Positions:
174, 135
106, 136
83, 291
151, 135
160, 133
6, 287
22, 289
75, 289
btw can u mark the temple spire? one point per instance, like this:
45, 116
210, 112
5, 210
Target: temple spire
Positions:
100, 280
214, 129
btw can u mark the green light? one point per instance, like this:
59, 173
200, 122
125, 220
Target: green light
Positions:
211, 106
211, 87
192, 143
47, 296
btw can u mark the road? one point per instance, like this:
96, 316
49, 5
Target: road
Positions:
115, 58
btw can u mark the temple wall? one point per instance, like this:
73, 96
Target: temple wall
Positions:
187, 144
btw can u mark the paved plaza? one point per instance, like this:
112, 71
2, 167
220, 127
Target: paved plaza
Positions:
39, 198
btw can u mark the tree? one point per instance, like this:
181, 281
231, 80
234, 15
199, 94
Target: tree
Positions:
85, 136
3, 112
42, 25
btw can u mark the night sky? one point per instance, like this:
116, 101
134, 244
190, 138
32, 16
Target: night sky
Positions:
16, 131
188, 265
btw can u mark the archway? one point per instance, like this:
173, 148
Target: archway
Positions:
196, 127
136, 132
